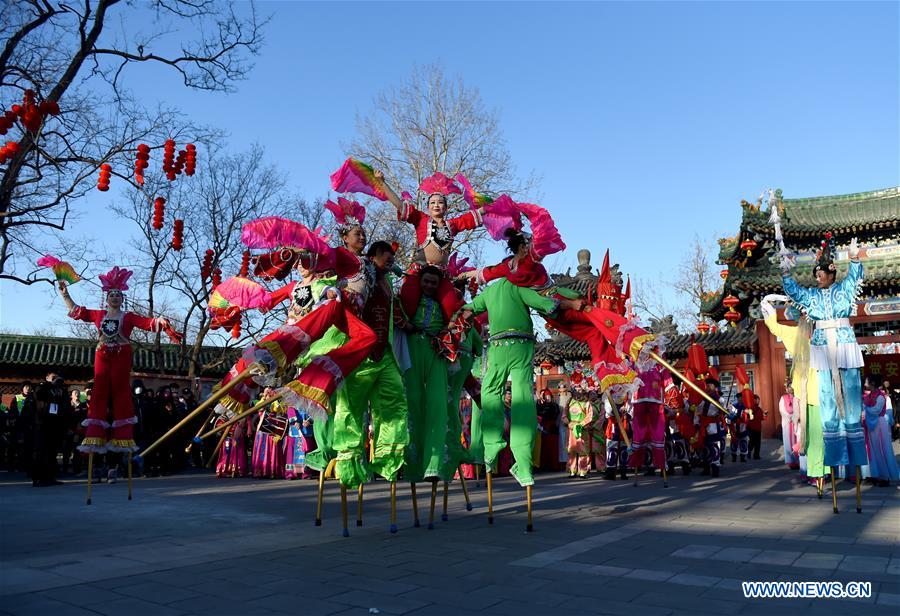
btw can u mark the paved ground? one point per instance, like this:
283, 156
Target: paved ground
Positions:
197, 545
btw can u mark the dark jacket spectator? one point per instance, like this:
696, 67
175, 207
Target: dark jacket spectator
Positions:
47, 426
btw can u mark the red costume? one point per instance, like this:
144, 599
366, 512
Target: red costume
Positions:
112, 371
440, 237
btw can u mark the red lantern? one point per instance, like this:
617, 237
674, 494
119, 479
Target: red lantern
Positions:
703, 327
190, 159
141, 162
723, 274
713, 329
730, 302
733, 316
748, 245
236, 330
169, 159
245, 264
206, 269
178, 234
159, 209
216, 277
103, 180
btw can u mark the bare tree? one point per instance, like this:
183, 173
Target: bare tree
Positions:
433, 123
64, 55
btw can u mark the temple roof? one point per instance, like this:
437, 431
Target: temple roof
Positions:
726, 341
52, 353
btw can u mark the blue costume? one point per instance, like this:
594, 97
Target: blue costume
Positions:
837, 358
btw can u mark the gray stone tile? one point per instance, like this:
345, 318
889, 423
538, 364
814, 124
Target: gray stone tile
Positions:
384, 603
294, 603
689, 579
696, 551
775, 557
864, 564
736, 555
818, 560
133, 605
652, 575
886, 598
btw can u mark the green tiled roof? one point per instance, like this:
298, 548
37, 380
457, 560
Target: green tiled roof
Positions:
79, 353
726, 341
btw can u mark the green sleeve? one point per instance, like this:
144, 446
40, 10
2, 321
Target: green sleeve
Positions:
477, 304
567, 293
477, 344
535, 300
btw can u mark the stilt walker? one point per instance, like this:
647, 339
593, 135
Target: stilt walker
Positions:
112, 366
834, 353
511, 354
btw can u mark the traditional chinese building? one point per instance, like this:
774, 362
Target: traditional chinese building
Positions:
30, 358
750, 271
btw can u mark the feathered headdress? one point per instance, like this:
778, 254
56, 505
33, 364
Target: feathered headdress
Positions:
439, 184
115, 279
347, 213
825, 255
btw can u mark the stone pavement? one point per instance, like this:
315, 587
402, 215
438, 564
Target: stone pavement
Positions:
193, 544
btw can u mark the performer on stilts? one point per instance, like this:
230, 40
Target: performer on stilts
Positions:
616, 432
112, 366
649, 424
835, 355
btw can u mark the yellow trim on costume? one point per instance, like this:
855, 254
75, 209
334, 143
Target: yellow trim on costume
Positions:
314, 394
617, 379
122, 443
94, 441
635, 349
232, 405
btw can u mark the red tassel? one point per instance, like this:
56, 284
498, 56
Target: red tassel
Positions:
103, 180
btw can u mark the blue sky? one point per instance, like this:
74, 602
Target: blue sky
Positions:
647, 122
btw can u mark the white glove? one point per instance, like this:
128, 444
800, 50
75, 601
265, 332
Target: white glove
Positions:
787, 263
766, 308
854, 250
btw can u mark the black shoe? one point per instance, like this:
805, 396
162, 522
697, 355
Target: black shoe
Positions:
624, 474
743, 459
715, 471
705, 472
756, 457
884, 483
650, 472
734, 458
686, 468
609, 474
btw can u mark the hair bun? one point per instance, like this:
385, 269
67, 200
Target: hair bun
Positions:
510, 233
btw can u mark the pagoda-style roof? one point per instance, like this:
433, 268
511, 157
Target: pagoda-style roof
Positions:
873, 217
726, 341
57, 353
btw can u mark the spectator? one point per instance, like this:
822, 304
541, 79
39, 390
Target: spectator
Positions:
893, 408
76, 412
47, 428
754, 425
20, 440
7, 430
548, 415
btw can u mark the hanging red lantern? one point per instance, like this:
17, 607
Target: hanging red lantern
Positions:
713, 329
8, 151
245, 264
748, 245
178, 167
141, 162
236, 330
216, 277
159, 209
730, 302
103, 179
169, 159
733, 316
703, 327
723, 274
190, 159
178, 234
206, 268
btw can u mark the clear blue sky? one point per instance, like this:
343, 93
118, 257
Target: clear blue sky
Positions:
647, 121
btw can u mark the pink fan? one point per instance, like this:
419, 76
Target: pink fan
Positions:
240, 292
545, 239
457, 266
115, 279
474, 199
500, 215
357, 176
440, 184
276, 232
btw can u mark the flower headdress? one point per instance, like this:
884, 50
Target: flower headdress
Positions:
439, 184
347, 214
457, 266
825, 255
115, 279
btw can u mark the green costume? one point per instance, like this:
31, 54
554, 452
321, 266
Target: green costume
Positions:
376, 385
427, 456
470, 348
323, 431
511, 346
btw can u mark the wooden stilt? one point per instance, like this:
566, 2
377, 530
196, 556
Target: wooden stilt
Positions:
359, 505
431, 511
415, 504
346, 531
196, 439
528, 527
477, 469
130, 455
393, 506
490, 491
212, 458
820, 486
321, 496
465, 489
858, 489
833, 490
665, 476
444, 516
90, 475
